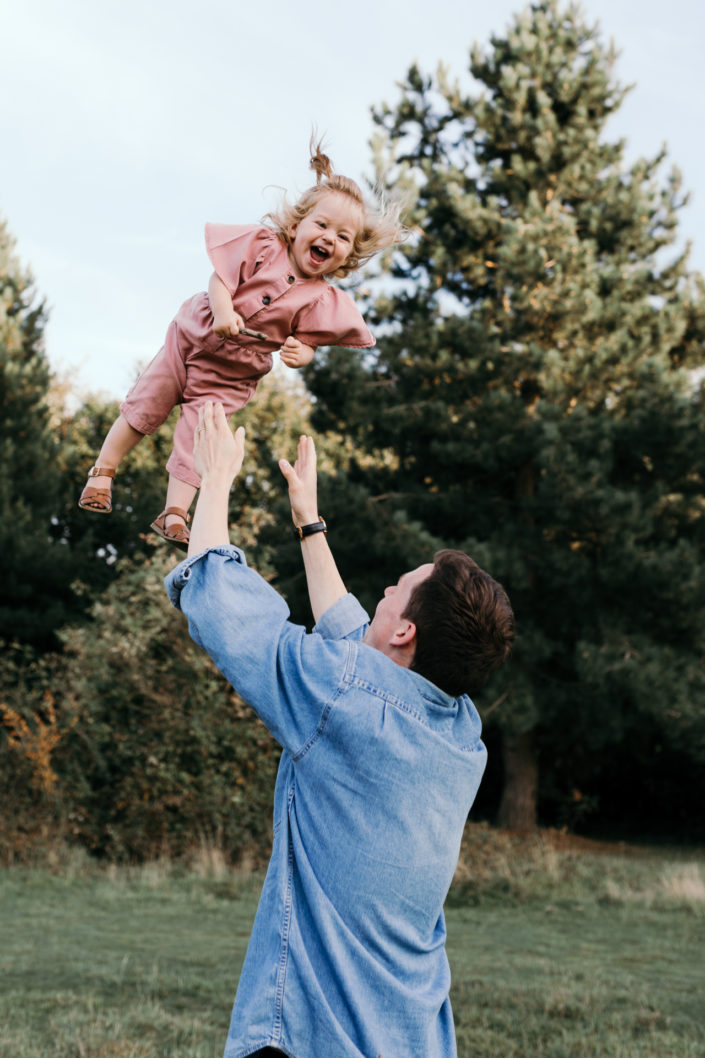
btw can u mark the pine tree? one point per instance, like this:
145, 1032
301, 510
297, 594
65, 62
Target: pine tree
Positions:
530, 400
36, 591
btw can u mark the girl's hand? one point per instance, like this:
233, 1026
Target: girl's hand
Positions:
227, 325
294, 353
302, 482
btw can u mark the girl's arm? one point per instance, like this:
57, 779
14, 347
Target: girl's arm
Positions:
325, 585
226, 321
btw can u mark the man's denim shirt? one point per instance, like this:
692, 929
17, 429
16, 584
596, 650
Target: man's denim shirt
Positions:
378, 772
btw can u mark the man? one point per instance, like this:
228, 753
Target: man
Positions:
381, 762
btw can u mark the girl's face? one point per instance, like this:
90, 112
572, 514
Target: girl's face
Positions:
323, 240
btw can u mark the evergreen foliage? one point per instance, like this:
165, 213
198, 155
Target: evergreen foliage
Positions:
36, 594
128, 741
147, 751
530, 399
168, 756
139, 490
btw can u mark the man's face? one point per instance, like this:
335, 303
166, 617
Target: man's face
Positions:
388, 615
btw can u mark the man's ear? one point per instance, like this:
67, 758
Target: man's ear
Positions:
405, 634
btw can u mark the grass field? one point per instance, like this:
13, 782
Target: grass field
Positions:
555, 952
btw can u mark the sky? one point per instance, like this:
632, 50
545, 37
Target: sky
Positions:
127, 124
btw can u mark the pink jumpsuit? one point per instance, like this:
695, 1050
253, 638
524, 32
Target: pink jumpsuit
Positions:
195, 365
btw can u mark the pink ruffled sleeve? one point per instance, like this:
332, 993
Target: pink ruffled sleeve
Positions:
333, 319
234, 249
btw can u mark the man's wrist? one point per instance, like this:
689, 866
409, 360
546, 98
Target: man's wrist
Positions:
217, 481
302, 531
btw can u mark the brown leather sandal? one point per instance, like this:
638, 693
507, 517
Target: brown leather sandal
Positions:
178, 536
98, 500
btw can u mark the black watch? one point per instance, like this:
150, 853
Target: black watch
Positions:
300, 531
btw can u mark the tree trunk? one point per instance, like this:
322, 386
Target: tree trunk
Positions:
517, 810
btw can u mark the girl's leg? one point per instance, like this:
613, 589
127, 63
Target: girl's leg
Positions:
97, 494
120, 440
178, 494
171, 524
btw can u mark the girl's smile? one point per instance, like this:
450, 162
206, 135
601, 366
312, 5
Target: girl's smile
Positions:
324, 239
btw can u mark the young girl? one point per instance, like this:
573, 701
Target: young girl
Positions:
269, 291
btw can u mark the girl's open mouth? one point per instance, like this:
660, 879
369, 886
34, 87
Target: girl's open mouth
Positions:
319, 254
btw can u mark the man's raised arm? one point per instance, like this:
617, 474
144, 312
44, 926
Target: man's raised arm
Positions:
218, 458
324, 583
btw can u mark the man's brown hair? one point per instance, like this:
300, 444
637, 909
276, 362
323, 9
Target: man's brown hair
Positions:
464, 624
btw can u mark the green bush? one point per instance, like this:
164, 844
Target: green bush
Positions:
153, 753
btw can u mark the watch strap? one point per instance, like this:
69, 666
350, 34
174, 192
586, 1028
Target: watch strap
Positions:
300, 531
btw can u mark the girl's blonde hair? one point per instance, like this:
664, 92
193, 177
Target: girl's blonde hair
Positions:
380, 226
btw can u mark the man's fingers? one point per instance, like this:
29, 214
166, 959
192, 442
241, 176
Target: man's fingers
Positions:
307, 451
286, 469
205, 414
305, 460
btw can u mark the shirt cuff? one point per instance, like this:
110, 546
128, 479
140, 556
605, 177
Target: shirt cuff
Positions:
343, 619
179, 577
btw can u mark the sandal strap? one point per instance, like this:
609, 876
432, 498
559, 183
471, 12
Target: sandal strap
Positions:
101, 472
89, 493
184, 515
93, 499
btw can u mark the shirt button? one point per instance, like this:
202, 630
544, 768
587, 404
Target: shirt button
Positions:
266, 299
291, 279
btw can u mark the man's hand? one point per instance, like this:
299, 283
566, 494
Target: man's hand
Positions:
302, 482
217, 453
325, 586
294, 353
218, 457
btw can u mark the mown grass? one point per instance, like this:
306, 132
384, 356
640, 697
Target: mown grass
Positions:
563, 950
555, 951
